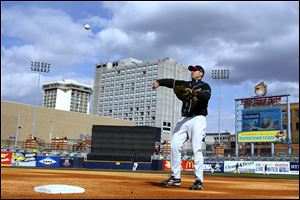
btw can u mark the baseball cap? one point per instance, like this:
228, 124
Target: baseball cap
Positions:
195, 68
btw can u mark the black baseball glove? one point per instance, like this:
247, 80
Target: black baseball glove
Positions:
184, 92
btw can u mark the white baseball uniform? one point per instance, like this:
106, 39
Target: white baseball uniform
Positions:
192, 125
188, 128
135, 165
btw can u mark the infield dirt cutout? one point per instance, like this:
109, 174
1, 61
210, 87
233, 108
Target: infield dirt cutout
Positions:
20, 183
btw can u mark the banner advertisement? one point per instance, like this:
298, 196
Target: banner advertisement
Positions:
261, 119
66, 162
239, 166
213, 166
48, 161
186, 165
262, 136
24, 159
166, 165
6, 157
294, 168
272, 167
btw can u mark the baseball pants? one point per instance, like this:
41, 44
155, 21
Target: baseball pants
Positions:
188, 128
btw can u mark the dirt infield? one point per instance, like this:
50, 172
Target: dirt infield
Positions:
19, 183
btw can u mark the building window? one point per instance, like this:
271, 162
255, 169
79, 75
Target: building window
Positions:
284, 115
297, 126
297, 113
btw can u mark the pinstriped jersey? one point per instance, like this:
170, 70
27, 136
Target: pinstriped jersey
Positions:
195, 106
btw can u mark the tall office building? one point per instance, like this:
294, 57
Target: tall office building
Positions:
123, 90
67, 95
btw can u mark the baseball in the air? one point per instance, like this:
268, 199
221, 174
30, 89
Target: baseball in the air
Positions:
87, 27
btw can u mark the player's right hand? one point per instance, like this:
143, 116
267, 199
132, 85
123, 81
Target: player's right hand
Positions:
155, 84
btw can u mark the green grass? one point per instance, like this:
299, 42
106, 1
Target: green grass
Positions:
272, 176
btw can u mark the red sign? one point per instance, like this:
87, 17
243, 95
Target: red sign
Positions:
6, 158
186, 165
262, 100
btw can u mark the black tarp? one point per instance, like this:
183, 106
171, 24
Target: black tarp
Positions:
119, 143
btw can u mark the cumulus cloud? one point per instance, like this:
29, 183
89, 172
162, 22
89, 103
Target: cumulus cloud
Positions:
47, 34
206, 24
257, 41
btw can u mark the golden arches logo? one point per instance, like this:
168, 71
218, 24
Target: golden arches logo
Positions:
189, 164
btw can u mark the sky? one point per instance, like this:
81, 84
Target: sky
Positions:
256, 41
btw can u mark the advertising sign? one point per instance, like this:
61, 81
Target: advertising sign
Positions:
24, 159
243, 166
186, 165
66, 162
261, 100
294, 167
213, 166
261, 119
6, 157
48, 161
262, 136
272, 167
166, 165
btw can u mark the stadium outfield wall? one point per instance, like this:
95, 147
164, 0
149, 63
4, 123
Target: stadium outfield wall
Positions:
258, 167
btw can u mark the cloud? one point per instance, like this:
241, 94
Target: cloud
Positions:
251, 38
274, 59
280, 88
257, 41
48, 34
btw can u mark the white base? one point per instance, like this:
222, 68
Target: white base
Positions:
59, 189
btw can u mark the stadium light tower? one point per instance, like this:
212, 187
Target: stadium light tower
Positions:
220, 74
38, 67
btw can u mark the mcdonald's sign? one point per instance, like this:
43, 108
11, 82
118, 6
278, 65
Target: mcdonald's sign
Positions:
186, 165
189, 164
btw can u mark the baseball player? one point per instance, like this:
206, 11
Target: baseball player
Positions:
237, 169
192, 124
134, 160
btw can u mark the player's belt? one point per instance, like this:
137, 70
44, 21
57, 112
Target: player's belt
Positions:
188, 115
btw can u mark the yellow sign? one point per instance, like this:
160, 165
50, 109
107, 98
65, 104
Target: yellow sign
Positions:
262, 136
189, 164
